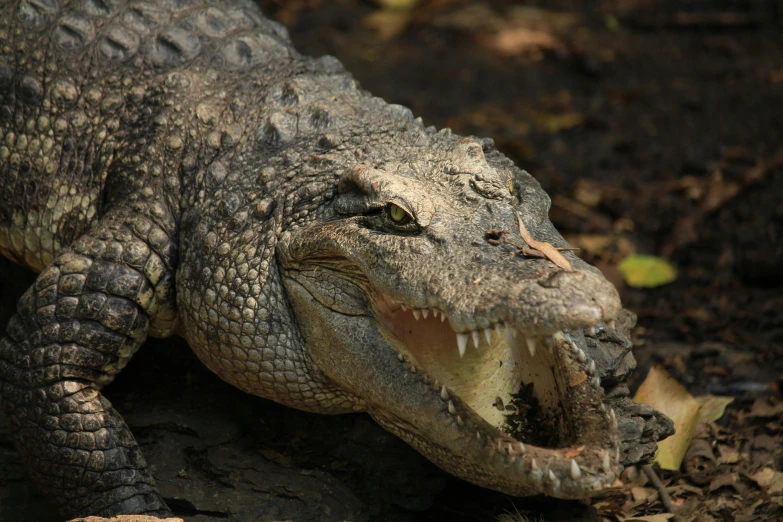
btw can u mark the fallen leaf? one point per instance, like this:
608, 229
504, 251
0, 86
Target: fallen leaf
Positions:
554, 123
397, 4
727, 479
609, 247
762, 408
660, 517
588, 192
712, 407
766, 442
727, 455
641, 494
643, 271
515, 40
388, 23
666, 395
770, 480
546, 248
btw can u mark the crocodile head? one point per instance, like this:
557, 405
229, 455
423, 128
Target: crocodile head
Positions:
416, 292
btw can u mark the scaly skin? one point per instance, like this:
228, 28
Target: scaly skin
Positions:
179, 167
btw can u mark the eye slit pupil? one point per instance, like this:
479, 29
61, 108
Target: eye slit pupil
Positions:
397, 214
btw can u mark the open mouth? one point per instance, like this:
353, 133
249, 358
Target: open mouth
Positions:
533, 401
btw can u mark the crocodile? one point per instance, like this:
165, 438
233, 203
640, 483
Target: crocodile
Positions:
176, 167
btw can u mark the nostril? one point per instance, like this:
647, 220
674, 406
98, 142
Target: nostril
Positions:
559, 279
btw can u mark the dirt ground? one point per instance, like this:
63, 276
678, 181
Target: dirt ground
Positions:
656, 127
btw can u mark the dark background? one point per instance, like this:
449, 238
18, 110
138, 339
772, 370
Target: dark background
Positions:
656, 128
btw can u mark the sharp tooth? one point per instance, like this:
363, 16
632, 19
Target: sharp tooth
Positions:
425, 312
533, 465
444, 394
460, 421
404, 308
475, 336
498, 330
442, 317
613, 416
611, 324
596, 382
591, 368
606, 463
478, 437
462, 343
531, 346
591, 330
551, 476
435, 313
452, 409
488, 335
400, 357
576, 473
416, 314
522, 448
510, 449
580, 354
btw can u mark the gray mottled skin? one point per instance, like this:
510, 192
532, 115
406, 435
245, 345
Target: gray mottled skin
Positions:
176, 167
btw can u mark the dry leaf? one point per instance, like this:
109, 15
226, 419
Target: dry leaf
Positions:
397, 4
727, 479
712, 407
554, 123
546, 248
641, 494
770, 480
660, 517
666, 395
515, 40
388, 23
727, 455
762, 408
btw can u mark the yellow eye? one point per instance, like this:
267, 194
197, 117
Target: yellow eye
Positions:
397, 214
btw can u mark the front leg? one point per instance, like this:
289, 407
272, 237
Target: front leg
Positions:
74, 330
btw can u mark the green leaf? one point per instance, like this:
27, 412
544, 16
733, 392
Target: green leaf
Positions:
641, 271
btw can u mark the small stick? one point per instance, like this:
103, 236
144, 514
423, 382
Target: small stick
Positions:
664, 495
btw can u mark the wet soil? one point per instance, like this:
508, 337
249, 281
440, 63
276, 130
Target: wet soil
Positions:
656, 127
